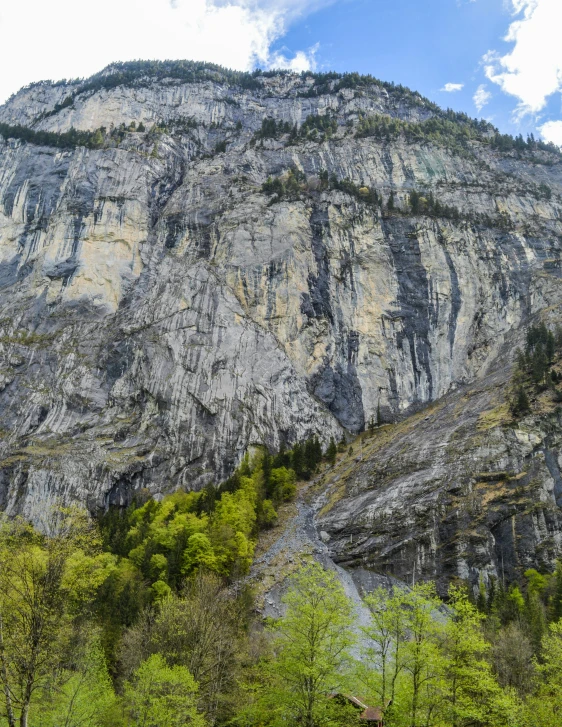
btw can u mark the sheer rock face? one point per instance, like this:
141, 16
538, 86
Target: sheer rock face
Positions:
458, 491
161, 315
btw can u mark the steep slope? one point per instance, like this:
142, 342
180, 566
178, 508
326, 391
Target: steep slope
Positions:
163, 311
462, 490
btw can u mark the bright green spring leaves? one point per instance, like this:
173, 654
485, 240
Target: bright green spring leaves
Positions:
310, 656
214, 530
47, 587
428, 663
171, 539
162, 695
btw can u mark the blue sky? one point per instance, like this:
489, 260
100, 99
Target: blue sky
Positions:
500, 59
424, 45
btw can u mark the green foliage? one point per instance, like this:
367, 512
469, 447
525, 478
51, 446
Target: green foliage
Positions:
452, 130
283, 484
65, 140
82, 694
136, 74
203, 628
520, 405
311, 647
543, 708
332, 452
192, 654
162, 543
294, 184
318, 128
47, 585
421, 204
472, 694
427, 667
161, 695
289, 186
534, 370
272, 129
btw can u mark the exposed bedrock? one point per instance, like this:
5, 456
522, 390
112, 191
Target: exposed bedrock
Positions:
160, 314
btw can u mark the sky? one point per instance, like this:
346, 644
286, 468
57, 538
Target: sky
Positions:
496, 59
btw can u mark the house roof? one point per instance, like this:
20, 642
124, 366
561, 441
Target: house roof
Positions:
369, 714
372, 714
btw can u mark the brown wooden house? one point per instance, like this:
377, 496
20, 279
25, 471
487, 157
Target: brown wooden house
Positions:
371, 715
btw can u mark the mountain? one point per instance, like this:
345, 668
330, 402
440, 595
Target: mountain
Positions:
194, 262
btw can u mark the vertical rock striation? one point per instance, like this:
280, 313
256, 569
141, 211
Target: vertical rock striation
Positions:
161, 313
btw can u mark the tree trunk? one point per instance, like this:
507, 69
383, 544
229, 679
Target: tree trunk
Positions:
24, 714
4, 676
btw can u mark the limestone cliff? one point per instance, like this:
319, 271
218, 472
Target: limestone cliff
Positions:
163, 311
461, 490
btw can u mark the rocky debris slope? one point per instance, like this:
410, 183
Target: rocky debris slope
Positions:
295, 541
162, 310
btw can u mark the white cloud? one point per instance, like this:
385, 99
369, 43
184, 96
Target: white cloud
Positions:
452, 87
532, 70
53, 39
481, 97
552, 131
301, 61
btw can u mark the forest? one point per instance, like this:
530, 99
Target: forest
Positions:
146, 616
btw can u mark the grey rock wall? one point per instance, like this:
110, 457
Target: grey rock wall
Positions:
160, 315
460, 490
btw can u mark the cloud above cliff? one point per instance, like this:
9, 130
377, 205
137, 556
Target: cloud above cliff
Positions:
452, 87
481, 97
53, 39
532, 70
552, 131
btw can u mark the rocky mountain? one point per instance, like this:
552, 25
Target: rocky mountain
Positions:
195, 261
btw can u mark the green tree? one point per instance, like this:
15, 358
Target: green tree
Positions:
472, 694
82, 695
283, 484
160, 695
332, 452
297, 459
521, 403
202, 629
382, 660
512, 658
311, 646
555, 605
545, 707
46, 585
423, 661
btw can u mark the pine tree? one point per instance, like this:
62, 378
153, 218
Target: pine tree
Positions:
555, 605
266, 466
297, 459
317, 450
309, 457
550, 346
481, 601
521, 404
332, 452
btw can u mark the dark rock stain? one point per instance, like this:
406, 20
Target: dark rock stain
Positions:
413, 301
